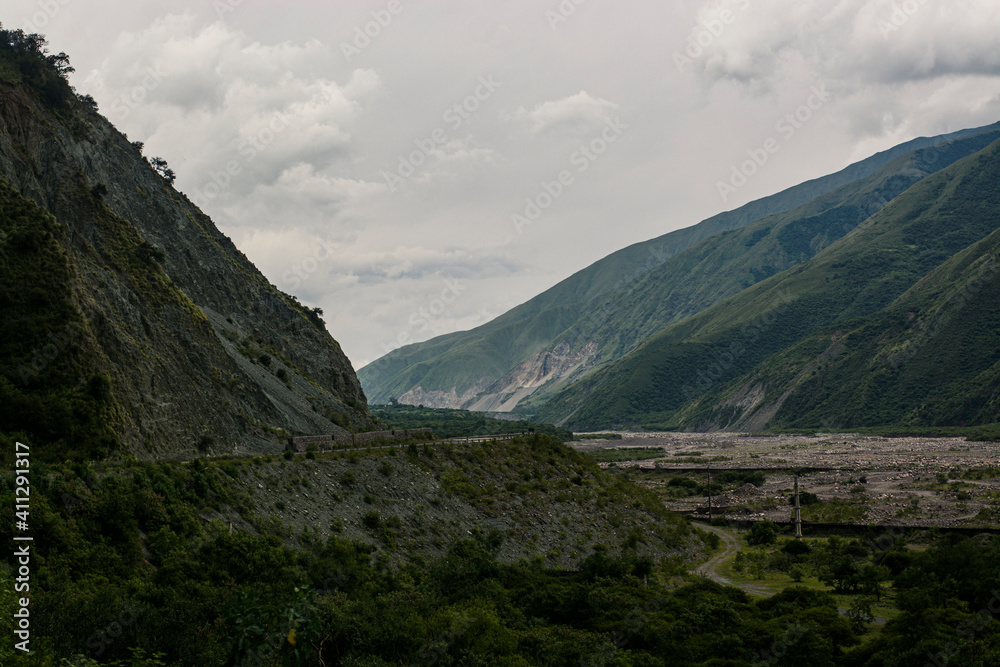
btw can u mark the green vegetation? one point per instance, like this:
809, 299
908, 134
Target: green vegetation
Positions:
52, 393
867, 333
24, 59
673, 485
128, 572
762, 532
627, 297
459, 423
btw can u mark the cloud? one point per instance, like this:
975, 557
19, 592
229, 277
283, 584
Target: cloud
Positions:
284, 141
576, 114
878, 41
303, 198
236, 114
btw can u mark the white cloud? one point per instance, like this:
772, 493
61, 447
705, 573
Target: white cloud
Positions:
325, 129
877, 41
230, 114
576, 114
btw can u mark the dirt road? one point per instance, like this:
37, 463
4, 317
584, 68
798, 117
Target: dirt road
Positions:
710, 567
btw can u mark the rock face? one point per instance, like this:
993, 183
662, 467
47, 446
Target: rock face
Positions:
543, 369
200, 350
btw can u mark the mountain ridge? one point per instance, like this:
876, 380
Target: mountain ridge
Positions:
717, 353
471, 369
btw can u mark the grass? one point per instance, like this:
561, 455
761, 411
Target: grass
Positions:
772, 583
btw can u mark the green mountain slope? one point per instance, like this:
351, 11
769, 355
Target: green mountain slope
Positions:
727, 263
856, 277
606, 310
132, 326
930, 358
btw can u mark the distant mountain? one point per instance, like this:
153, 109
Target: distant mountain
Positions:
522, 358
896, 323
132, 326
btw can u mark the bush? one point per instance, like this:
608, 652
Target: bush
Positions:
796, 548
762, 532
805, 498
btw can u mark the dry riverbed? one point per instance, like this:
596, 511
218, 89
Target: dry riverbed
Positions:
907, 481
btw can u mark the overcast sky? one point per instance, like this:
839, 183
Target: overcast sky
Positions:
372, 157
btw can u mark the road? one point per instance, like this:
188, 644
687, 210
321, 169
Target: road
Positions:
710, 568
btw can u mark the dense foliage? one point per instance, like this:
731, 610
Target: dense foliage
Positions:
24, 58
51, 391
457, 423
124, 560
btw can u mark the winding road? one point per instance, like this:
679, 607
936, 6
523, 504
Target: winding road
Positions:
710, 568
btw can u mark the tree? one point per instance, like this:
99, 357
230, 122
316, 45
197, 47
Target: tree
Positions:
860, 613
762, 532
160, 166
60, 63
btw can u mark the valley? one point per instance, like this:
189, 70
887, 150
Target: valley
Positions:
944, 482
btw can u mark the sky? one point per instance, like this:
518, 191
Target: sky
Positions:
418, 168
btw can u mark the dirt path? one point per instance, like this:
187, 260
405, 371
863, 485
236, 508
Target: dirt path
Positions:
710, 567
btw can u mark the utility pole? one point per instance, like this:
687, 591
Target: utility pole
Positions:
710, 494
798, 513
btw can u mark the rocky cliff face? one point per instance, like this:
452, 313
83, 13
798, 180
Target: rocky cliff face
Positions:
544, 369
196, 347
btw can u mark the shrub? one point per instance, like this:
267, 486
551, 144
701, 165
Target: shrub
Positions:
762, 532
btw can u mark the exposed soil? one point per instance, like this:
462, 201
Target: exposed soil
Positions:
905, 481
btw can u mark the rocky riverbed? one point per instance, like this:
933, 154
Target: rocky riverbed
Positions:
869, 479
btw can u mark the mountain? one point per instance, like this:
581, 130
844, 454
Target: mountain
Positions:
522, 358
866, 333
132, 326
